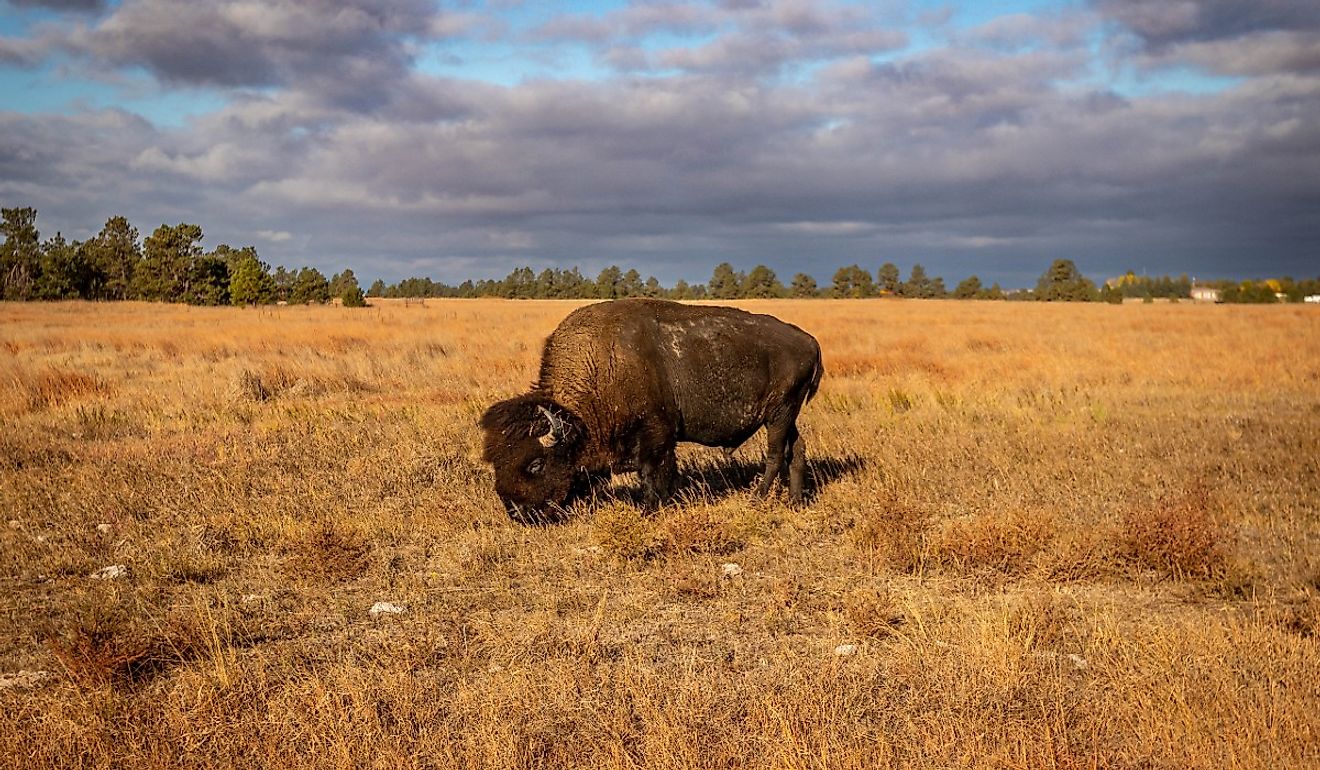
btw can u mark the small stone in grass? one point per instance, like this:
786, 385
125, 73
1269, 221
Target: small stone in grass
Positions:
24, 679
385, 608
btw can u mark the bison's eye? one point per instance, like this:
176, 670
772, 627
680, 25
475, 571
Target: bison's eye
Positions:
535, 467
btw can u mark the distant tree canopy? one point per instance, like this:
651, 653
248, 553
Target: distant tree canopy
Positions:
1063, 282
20, 255
887, 279
170, 265
250, 282
852, 282
1132, 285
920, 286
167, 266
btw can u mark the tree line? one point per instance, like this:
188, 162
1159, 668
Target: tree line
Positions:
170, 266
167, 266
760, 282
1062, 282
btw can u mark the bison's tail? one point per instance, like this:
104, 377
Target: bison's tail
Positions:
816, 374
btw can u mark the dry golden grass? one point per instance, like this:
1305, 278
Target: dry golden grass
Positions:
1053, 536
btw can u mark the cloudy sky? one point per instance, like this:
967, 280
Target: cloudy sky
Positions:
461, 139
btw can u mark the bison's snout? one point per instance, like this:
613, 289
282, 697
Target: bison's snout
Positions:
534, 515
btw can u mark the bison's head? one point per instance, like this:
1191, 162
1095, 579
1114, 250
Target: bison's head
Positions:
534, 445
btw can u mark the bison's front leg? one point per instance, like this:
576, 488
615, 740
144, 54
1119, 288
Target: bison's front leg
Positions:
658, 473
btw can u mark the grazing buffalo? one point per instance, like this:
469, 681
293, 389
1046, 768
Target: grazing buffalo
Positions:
622, 382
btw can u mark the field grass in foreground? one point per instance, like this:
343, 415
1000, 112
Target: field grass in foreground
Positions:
1041, 536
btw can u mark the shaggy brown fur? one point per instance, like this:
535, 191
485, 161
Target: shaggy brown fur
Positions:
622, 382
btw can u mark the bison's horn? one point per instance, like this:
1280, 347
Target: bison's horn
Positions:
556, 428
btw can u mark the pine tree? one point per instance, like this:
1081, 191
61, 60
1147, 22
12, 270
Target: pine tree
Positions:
250, 283
917, 284
1063, 282
804, 286
887, 279
113, 255
345, 286
631, 284
852, 282
208, 281
310, 286
968, 288
725, 283
166, 269
20, 255
63, 271
607, 283
761, 283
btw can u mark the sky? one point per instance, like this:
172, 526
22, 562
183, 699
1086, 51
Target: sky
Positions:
463, 139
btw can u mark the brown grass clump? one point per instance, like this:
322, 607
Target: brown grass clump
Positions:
331, 552
1005, 542
893, 535
118, 647
628, 533
872, 614
100, 656
624, 532
697, 529
1179, 536
249, 387
54, 386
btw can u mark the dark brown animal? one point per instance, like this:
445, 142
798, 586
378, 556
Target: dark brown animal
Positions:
622, 382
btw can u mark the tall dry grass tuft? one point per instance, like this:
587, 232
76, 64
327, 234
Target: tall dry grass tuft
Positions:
1180, 536
55, 386
893, 535
331, 552
1006, 541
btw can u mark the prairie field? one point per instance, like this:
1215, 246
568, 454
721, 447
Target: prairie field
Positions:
1037, 536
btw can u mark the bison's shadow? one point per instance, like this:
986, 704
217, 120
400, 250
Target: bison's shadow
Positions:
717, 477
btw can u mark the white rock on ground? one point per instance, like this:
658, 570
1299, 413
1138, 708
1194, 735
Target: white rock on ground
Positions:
24, 678
113, 572
385, 608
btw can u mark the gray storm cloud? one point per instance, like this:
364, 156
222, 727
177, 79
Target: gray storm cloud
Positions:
801, 135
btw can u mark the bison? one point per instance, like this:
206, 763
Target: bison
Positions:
622, 382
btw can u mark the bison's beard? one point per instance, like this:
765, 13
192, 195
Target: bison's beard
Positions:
550, 513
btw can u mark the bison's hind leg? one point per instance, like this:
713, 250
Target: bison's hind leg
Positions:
780, 437
793, 473
797, 468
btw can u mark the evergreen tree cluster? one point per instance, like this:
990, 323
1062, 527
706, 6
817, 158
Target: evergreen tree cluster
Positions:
169, 265
1131, 285
761, 282
1268, 291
